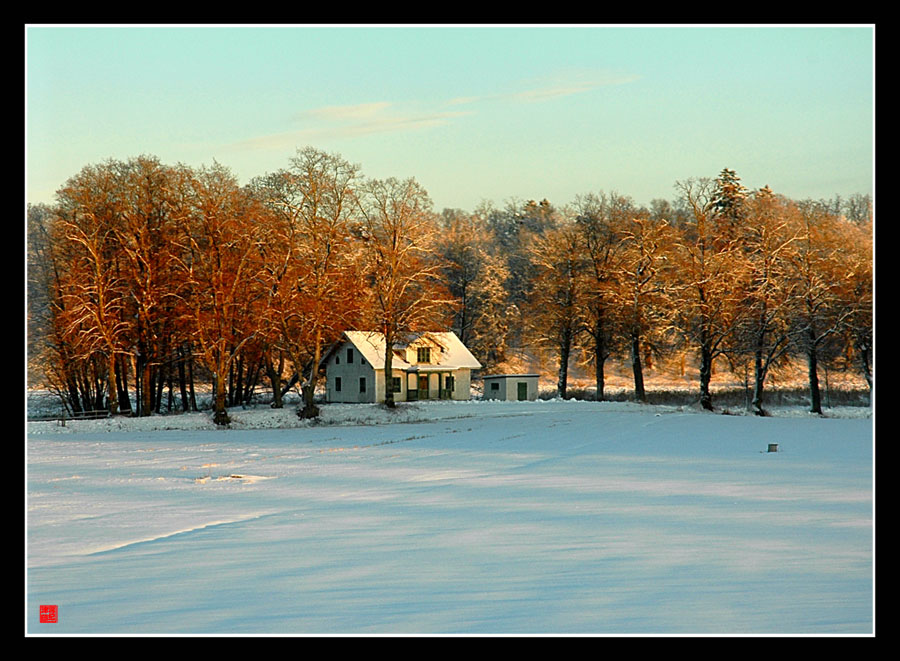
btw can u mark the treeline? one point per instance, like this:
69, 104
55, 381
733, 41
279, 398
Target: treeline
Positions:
144, 277
724, 272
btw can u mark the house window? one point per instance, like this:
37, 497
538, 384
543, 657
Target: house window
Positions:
495, 385
395, 384
423, 354
362, 384
337, 359
337, 384
349, 355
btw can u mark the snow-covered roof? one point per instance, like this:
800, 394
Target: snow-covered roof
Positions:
371, 346
452, 353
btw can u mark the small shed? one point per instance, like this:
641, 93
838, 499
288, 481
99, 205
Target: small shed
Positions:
511, 387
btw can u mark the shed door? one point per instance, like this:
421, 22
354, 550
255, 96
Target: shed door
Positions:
523, 391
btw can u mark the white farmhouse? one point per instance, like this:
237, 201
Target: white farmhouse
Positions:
432, 365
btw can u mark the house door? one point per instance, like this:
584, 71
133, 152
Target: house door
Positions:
423, 387
449, 387
523, 391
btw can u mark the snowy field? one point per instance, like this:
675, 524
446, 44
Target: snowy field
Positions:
545, 517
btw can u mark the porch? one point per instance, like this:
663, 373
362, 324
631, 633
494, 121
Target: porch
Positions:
422, 385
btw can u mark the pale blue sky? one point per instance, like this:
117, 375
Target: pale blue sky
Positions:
473, 113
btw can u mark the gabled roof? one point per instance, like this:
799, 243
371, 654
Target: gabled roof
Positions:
371, 346
452, 354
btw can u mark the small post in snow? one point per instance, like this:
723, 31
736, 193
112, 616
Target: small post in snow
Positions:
773, 447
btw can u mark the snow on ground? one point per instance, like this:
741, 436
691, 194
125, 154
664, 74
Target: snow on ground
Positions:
549, 517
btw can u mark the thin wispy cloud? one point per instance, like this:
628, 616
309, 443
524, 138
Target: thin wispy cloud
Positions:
563, 84
463, 100
337, 122
378, 117
568, 84
400, 122
349, 121
355, 112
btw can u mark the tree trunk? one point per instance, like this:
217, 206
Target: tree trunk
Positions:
599, 361
170, 401
113, 395
812, 361
705, 376
99, 389
220, 416
151, 388
388, 370
565, 348
274, 375
182, 380
639, 394
239, 380
87, 397
84, 390
161, 378
146, 388
190, 375
229, 388
864, 350
310, 410
251, 376
759, 378
72, 392
122, 385
291, 383
138, 397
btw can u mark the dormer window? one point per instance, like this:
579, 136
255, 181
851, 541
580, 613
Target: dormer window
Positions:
423, 354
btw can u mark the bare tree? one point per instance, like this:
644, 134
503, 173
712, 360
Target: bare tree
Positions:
145, 239
644, 273
40, 268
711, 278
599, 218
821, 265
95, 298
476, 278
856, 293
772, 235
312, 267
553, 308
398, 231
221, 260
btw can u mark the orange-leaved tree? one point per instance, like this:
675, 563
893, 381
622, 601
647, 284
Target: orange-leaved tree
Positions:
312, 266
398, 232
220, 258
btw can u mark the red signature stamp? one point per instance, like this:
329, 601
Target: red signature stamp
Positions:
49, 614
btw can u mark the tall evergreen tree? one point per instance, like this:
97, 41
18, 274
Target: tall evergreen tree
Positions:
711, 275
727, 207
